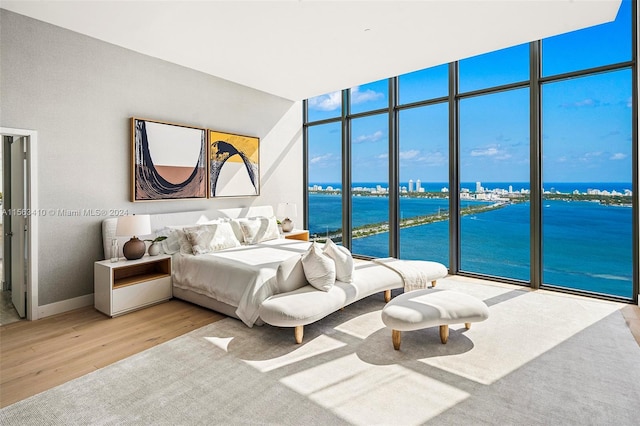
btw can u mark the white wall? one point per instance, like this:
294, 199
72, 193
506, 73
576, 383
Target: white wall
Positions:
79, 94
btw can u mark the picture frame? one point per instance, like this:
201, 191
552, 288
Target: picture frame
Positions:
169, 161
234, 165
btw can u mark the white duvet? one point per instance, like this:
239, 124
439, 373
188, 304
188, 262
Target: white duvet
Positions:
242, 277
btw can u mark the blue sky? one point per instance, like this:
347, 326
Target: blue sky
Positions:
586, 121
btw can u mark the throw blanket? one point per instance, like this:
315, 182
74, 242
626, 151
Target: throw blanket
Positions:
412, 274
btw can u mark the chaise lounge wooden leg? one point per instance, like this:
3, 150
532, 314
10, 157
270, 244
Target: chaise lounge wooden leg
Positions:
433, 283
387, 296
467, 325
396, 338
298, 333
444, 333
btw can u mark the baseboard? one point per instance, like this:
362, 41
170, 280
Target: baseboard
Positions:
65, 305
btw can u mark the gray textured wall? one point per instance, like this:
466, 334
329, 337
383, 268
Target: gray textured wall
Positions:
79, 94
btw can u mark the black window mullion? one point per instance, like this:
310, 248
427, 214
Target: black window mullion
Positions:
535, 166
454, 171
346, 171
394, 167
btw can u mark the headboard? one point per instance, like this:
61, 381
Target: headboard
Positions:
162, 220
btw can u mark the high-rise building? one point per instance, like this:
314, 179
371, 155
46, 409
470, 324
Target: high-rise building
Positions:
418, 185
410, 185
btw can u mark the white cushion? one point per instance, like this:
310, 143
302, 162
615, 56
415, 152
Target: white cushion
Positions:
237, 230
414, 310
290, 275
258, 229
319, 269
211, 237
177, 241
343, 259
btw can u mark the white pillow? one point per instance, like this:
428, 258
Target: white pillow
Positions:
176, 241
224, 237
200, 238
343, 259
290, 275
211, 237
319, 269
258, 229
235, 225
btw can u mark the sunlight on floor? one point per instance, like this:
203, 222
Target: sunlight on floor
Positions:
362, 393
507, 345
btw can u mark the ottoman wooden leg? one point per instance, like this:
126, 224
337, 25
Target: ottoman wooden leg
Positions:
298, 333
387, 296
433, 283
467, 325
444, 333
395, 338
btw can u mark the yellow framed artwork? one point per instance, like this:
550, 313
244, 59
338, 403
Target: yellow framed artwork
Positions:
234, 165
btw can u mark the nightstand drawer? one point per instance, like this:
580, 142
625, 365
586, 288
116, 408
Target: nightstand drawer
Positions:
136, 296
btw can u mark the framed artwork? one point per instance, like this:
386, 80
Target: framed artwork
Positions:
169, 161
234, 165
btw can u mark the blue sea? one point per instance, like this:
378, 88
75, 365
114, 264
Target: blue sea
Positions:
586, 245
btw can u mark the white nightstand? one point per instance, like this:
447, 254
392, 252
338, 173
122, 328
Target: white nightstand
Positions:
127, 285
297, 234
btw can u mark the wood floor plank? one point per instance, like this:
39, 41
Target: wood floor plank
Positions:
38, 355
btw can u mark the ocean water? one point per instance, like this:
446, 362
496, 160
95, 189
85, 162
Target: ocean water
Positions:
586, 245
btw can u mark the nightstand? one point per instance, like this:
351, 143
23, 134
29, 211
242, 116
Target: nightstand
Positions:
297, 234
127, 285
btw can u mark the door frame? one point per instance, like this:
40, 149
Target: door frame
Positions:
31, 148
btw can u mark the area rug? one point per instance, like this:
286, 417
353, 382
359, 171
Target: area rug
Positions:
541, 358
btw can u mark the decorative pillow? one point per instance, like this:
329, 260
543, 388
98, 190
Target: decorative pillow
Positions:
176, 241
211, 237
319, 269
224, 237
200, 238
343, 259
290, 275
258, 229
237, 230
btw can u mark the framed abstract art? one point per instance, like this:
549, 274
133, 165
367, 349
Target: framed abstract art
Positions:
234, 165
169, 161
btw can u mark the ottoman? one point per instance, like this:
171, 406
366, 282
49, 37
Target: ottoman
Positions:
418, 309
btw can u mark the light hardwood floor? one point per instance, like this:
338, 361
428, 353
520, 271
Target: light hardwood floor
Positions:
38, 355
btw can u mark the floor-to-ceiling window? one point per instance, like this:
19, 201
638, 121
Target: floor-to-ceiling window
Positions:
574, 154
587, 166
423, 158
494, 163
325, 181
494, 184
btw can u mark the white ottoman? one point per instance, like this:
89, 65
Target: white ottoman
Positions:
418, 309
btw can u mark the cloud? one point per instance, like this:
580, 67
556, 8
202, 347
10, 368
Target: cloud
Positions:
409, 155
382, 156
618, 156
589, 155
492, 151
358, 97
369, 138
321, 158
328, 102
585, 103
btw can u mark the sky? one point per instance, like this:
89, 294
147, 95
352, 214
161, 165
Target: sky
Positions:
586, 132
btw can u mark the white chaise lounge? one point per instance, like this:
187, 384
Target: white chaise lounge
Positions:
306, 305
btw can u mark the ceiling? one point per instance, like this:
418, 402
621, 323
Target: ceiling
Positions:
298, 49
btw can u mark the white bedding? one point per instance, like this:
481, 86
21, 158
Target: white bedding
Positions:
242, 277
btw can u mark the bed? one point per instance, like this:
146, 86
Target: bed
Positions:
233, 281
261, 277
